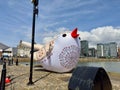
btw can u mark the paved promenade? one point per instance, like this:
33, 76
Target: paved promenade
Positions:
43, 80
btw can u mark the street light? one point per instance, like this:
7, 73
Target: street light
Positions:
35, 12
35, 2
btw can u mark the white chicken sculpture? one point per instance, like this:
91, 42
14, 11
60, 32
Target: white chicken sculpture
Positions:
59, 55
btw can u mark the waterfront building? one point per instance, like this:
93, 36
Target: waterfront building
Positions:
6, 51
92, 52
14, 49
23, 51
84, 48
107, 50
113, 49
2, 48
100, 50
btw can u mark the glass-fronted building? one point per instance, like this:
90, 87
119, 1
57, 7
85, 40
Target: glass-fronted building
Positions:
84, 48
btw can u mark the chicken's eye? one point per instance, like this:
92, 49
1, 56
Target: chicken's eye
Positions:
64, 35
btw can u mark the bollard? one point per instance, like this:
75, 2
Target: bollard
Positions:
16, 62
12, 61
1, 61
3, 77
9, 62
89, 78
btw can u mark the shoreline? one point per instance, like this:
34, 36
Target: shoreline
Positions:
86, 59
93, 59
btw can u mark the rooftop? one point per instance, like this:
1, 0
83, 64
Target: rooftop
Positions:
3, 46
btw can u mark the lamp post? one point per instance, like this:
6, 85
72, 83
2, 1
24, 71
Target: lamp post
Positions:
3, 76
35, 12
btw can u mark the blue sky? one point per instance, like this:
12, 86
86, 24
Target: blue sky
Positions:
97, 20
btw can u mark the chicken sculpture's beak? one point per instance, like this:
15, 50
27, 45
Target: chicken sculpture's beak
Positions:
74, 33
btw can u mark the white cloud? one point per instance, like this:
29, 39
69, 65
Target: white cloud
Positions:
52, 34
104, 34
101, 35
47, 39
62, 29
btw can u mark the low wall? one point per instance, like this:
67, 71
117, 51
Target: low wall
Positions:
89, 59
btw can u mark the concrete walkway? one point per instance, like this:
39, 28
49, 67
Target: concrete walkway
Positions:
43, 80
